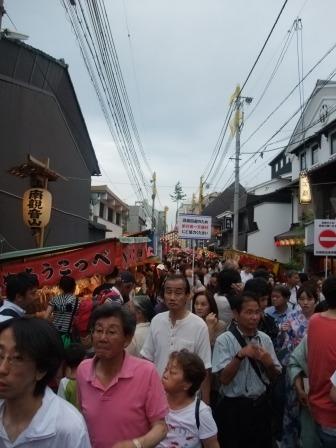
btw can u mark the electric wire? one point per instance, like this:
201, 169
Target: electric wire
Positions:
263, 47
93, 34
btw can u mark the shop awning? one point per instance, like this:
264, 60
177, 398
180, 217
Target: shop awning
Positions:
49, 264
293, 237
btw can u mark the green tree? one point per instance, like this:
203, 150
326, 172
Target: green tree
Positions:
178, 196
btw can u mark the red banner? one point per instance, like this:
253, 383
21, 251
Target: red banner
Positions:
98, 258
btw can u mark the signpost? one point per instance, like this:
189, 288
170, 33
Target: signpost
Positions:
194, 227
325, 239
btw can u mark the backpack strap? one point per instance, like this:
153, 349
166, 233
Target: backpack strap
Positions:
73, 315
254, 364
9, 312
197, 412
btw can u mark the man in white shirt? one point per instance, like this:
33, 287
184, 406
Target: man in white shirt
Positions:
246, 274
31, 415
176, 329
21, 292
293, 284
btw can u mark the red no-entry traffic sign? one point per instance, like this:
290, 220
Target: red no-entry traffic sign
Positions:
327, 238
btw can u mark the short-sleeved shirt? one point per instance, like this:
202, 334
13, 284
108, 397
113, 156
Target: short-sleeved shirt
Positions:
182, 428
279, 317
56, 424
321, 365
246, 383
127, 407
163, 338
63, 308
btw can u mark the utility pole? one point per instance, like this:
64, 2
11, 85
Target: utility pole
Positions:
201, 196
154, 191
2, 11
165, 213
238, 125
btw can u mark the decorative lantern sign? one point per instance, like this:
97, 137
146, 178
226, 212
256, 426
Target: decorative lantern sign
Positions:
37, 207
305, 193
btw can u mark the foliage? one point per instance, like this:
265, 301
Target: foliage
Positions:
178, 194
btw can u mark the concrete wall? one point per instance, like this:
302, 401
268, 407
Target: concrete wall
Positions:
272, 219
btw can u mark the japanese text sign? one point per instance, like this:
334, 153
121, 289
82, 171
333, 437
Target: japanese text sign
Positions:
194, 227
325, 237
36, 207
100, 258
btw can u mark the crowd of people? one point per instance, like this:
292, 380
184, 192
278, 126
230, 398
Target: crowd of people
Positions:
216, 356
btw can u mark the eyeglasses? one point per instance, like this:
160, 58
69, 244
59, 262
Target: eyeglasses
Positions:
15, 360
108, 332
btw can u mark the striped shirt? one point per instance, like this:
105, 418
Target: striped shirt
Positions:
246, 383
63, 308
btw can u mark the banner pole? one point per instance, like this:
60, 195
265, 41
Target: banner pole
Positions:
193, 262
326, 266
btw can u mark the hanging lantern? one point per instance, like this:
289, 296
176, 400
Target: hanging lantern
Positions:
292, 242
304, 187
36, 207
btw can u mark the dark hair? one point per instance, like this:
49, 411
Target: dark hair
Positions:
259, 286
175, 277
225, 279
19, 284
144, 304
74, 355
303, 277
291, 273
113, 310
40, 341
309, 290
244, 298
67, 284
261, 273
329, 291
283, 290
211, 301
194, 371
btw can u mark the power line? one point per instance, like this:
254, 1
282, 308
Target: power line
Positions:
264, 45
229, 113
332, 48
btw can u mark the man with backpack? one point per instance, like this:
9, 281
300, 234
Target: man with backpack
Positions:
21, 292
245, 362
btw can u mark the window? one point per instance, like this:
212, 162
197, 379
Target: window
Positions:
110, 215
314, 154
118, 219
101, 210
333, 143
281, 163
303, 162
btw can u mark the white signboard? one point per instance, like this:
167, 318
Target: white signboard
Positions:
194, 227
325, 237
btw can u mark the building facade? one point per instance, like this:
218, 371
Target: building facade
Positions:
108, 210
41, 117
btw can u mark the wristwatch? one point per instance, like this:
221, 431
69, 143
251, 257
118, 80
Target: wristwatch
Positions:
238, 356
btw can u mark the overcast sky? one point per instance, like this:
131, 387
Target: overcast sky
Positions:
181, 63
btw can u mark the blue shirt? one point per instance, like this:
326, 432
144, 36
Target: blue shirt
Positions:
279, 317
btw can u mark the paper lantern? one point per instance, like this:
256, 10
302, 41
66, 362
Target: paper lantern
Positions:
36, 207
304, 189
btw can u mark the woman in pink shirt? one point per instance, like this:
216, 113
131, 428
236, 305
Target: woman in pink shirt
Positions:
121, 397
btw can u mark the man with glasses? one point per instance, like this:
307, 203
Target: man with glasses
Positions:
177, 329
31, 415
121, 396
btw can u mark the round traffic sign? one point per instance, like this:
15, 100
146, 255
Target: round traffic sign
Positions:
327, 238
